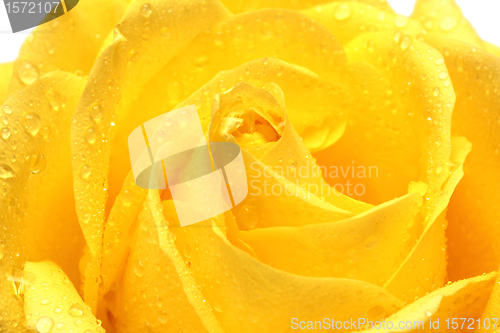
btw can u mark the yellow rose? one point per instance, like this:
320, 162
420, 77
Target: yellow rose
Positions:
317, 94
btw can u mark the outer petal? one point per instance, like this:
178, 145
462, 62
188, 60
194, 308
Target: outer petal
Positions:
349, 19
249, 296
37, 207
55, 45
52, 304
428, 257
238, 6
474, 209
462, 299
119, 71
368, 247
492, 310
5, 76
444, 18
421, 113
158, 293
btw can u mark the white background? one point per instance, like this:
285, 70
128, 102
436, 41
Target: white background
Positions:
482, 13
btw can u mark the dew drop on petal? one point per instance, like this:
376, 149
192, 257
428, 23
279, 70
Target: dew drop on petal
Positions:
44, 324
85, 171
27, 72
448, 23
5, 133
443, 75
248, 217
146, 10
76, 310
6, 172
7, 109
32, 122
401, 21
91, 134
343, 12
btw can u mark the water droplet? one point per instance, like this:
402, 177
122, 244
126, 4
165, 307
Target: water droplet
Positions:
57, 310
428, 313
162, 317
439, 61
248, 217
76, 310
342, 12
405, 43
5, 133
370, 241
44, 324
138, 268
7, 109
127, 197
266, 29
184, 118
401, 21
165, 32
27, 72
217, 306
91, 134
448, 24
146, 10
443, 75
56, 100
86, 218
37, 163
96, 113
44, 301
201, 61
32, 122
60, 326
85, 171
6, 172
436, 91
439, 168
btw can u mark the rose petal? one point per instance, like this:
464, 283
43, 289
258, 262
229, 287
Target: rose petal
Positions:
407, 136
347, 20
424, 269
238, 6
158, 292
55, 45
474, 209
462, 299
491, 310
5, 76
444, 19
249, 296
368, 247
52, 303
119, 71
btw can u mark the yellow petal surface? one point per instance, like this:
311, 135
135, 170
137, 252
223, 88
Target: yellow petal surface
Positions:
419, 114
424, 269
491, 310
69, 43
157, 292
118, 74
51, 302
238, 6
249, 296
349, 19
285, 183
474, 210
462, 299
367, 247
6, 70
125, 211
444, 18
